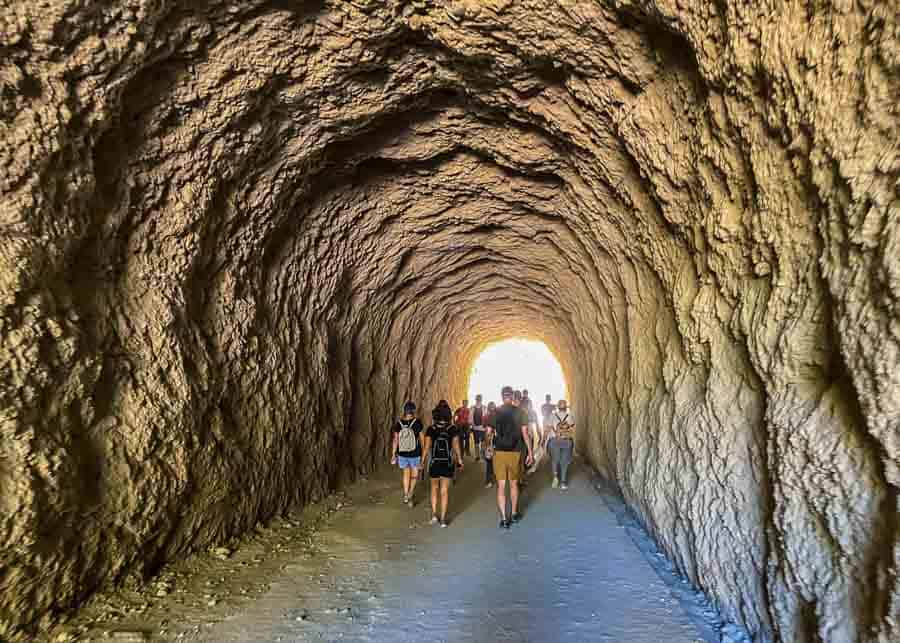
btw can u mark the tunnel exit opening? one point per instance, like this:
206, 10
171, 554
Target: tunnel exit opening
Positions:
521, 363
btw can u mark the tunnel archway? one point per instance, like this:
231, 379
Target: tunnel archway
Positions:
237, 238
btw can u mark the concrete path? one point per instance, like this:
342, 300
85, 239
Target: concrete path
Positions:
568, 572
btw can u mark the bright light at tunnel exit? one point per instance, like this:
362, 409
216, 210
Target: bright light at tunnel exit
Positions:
520, 363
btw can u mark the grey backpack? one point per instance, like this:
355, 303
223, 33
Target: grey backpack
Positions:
408, 441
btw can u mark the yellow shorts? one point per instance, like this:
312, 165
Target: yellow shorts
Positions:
506, 465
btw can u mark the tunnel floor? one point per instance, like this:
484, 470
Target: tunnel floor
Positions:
374, 570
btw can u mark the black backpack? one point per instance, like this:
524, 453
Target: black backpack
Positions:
441, 447
508, 429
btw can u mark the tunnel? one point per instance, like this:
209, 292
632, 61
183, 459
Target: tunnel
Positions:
236, 237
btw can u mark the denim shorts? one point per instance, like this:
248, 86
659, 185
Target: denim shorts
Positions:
409, 463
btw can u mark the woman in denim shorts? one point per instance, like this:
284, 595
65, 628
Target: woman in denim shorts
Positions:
407, 449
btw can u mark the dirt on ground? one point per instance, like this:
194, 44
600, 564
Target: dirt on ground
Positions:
362, 566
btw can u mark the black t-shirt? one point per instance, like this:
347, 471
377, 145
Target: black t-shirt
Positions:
433, 431
442, 468
418, 428
508, 420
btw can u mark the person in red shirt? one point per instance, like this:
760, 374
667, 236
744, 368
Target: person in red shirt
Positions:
462, 422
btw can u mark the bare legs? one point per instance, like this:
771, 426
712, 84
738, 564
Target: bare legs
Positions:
410, 476
440, 491
513, 497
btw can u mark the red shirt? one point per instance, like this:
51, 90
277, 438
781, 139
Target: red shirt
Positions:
462, 415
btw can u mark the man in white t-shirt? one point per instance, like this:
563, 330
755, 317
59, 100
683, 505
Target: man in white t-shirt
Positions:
561, 441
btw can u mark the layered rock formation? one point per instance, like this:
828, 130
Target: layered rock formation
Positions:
235, 236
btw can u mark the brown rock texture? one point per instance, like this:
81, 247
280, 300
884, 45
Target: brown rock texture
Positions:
236, 236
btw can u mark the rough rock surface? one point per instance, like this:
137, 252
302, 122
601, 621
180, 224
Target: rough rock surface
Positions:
231, 232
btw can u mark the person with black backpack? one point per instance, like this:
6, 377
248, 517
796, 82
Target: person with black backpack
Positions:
442, 449
407, 450
508, 429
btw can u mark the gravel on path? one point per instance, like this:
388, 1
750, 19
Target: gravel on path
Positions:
567, 572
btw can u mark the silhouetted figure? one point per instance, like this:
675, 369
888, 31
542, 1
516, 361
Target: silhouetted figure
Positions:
489, 478
463, 422
477, 414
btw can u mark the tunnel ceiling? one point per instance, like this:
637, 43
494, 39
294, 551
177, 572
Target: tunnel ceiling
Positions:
236, 236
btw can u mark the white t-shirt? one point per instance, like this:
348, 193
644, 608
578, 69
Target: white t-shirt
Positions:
558, 417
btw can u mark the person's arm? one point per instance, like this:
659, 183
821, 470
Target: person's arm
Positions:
395, 445
458, 450
426, 449
530, 458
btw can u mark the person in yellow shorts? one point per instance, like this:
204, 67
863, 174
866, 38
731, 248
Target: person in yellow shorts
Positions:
508, 430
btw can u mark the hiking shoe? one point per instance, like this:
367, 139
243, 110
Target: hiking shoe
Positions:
444, 524
555, 482
433, 521
563, 486
516, 517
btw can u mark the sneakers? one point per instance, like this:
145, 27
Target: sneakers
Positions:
409, 502
555, 482
444, 524
489, 485
505, 524
563, 486
405, 499
433, 521
516, 517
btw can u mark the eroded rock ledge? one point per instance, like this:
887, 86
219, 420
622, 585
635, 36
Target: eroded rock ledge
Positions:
231, 232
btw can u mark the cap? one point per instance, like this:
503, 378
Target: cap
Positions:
507, 391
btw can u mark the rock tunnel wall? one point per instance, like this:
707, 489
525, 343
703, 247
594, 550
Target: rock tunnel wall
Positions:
236, 236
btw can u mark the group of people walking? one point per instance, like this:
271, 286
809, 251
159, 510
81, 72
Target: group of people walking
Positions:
509, 438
